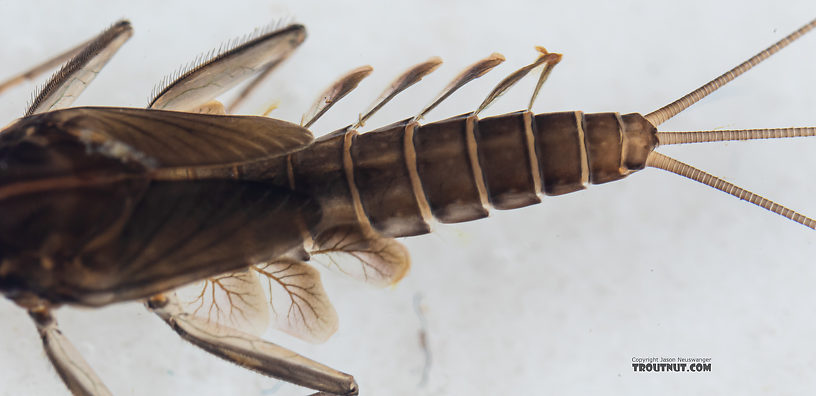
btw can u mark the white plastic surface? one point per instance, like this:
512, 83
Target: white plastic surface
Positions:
555, 298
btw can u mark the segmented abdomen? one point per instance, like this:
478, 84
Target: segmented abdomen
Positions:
397, 177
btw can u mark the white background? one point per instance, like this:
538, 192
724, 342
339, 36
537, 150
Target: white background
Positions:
553, 298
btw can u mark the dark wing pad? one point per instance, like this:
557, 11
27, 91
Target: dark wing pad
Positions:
123, 246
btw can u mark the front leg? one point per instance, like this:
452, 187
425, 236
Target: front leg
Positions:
75, 372
249, 351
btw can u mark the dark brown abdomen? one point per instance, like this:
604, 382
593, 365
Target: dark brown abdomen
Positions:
400, 176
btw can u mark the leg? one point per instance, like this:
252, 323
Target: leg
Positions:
42, 67
252, 86
212, 76
65, 86
251, 352
71, 367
